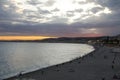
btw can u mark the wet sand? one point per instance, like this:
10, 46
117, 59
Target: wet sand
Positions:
101, 64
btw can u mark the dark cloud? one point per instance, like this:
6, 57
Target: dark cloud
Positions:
112, 4
59, 29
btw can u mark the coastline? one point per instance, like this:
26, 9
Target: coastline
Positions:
93, 66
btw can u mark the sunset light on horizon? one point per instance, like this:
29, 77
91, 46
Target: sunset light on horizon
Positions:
24, 37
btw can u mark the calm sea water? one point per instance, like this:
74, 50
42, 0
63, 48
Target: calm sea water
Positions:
26, 57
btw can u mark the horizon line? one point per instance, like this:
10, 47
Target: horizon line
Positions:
25, 37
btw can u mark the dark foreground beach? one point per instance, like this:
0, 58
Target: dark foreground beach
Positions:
101, 64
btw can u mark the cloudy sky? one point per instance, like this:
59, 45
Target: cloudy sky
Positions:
60, 18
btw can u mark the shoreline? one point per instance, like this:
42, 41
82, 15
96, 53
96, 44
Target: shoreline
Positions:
39, 67
17, 75
58, 72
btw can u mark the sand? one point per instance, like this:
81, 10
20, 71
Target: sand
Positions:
101, 64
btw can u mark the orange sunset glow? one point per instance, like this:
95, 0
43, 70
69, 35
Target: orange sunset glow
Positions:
23, 37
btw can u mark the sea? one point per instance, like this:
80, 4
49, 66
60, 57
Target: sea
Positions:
17, 57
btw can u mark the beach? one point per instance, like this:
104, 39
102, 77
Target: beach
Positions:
101, 64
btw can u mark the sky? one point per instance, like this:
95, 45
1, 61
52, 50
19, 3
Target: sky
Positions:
59, 18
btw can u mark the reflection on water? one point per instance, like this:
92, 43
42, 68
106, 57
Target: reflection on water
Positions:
17, 57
